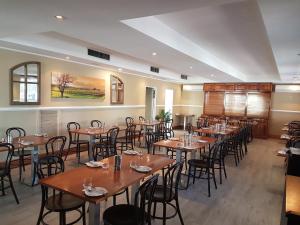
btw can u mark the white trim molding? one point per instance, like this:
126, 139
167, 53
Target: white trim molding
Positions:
284, 111
15, 109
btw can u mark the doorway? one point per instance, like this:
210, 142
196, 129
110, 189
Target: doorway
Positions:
169, 101
150, 109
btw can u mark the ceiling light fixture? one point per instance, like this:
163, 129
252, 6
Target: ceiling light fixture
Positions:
212, 75
154, 53
60, 17
120, 69
67, 57
191, 67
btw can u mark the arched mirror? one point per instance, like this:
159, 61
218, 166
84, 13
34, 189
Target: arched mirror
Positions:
25, 83
116, 90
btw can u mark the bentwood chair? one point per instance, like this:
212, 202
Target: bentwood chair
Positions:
137, 133
137, 214
56, 201
96, 123
166, 193
169, 132
5, 169
74, 140
55, 145
127, 142
21, 153
207, 165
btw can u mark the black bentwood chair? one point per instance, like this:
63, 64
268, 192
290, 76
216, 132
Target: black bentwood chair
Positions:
74, 139
55, 145
21, 153
137, 214
5, 170
53, 200
168, 192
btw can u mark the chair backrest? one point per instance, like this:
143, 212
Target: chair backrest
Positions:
214, 153
46, 167
9, 150
55, 145
169, 124
111, 144
144, 197
129, 121
130, 133
15, 132
171, 180
149, 139
96, 123
142, 119
73, 137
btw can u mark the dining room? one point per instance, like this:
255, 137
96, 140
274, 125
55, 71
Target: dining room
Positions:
164, 113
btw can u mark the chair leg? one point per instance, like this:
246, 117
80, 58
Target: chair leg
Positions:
41, 213
83, 215
220, 171
62, 218
2, 186
20, 168
78, 153
154, 209
208, 183
194, 175
178, 211
12, 188
114, 200
127, 195
164, 213
68, 151
214, 176
224, 168
188, 180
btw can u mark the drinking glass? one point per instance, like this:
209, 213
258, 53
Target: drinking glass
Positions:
105, 165
133, 164
87, 183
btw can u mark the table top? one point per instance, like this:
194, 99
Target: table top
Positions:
114, 181
148, 123
32, 141
209, 130
292, 196
95, 131
176, 144
184, 115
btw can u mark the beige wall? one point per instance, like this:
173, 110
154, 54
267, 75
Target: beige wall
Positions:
134, 101
289, 106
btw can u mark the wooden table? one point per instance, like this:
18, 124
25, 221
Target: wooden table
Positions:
114, 181
292, 198
36, 141
93, 133
212, 131
179, 146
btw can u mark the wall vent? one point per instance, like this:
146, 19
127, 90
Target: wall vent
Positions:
154, 69
184, 77
98, 54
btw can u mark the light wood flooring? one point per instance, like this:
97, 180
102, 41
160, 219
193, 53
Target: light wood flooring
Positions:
252, 194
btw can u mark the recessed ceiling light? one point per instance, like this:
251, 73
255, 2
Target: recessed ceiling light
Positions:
212, 75
154, 53
120, 69
191, 67
60, 17
68, 57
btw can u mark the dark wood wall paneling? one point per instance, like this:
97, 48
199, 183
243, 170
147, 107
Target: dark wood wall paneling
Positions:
240, 100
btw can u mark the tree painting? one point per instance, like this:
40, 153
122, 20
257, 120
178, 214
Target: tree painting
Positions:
63, 81
65, 85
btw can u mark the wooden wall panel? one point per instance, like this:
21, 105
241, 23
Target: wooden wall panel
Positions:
214, 103
235, 104
258, 105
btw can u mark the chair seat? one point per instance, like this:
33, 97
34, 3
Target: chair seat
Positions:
123, 215
25, 152
159, 194
198, 163
63, 202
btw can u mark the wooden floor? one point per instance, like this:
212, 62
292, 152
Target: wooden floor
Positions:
252, 194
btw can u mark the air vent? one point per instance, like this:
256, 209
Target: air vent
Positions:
184, 77
97, 54
154, 69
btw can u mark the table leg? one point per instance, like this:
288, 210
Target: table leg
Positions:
134, 188
184, 122
91, 144
178, 155
94, 214
193, 154
34, 161
144, 136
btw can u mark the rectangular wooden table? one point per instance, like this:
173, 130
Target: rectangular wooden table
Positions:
35, 142
292, 198
144, 125
114, 181
200, 142
212, 131
93, 133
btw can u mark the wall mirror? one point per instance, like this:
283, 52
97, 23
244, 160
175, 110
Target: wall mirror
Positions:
25, 83
116, 90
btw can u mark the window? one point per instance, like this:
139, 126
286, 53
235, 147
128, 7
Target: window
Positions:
25, 84
169, 101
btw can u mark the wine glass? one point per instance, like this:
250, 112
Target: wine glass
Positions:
87, 183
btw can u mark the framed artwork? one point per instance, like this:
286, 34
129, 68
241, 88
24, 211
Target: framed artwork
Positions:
64, 85
116, 90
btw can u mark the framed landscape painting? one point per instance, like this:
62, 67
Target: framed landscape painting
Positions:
64, 85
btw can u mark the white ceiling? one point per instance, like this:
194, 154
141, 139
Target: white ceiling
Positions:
222, 40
